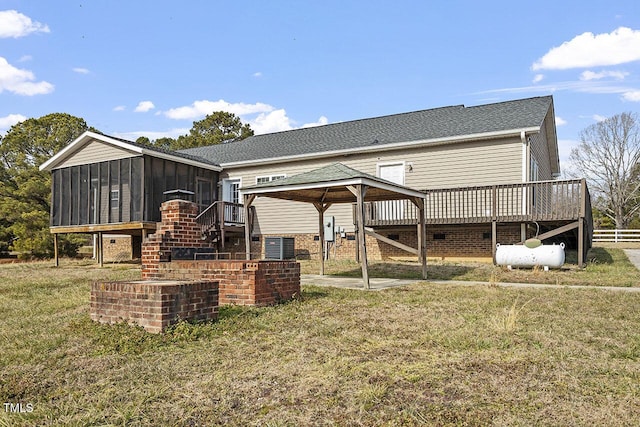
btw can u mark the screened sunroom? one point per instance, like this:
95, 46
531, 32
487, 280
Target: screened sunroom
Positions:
101, 184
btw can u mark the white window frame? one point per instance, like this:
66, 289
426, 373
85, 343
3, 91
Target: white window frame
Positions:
270, 178
393, 163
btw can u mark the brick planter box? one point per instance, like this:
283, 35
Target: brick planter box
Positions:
256, 283
154, 305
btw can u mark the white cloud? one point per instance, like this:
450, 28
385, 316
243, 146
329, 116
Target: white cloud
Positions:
591, 50
633, 96
591, 75
81, 70
560, 121
152, 135
321, 121
25, 58
538, 78
257, 74
564, 151
10, 120
144, 106
15, 24
21, 82
274, 121
584, 86
598, 118
119, 108
201, 108
278, 121
263, 118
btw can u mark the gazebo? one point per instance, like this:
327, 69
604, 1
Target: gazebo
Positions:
334, 184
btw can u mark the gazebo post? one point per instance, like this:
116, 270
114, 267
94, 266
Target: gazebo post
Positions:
321, 208
321, 236
359, 191
248, 200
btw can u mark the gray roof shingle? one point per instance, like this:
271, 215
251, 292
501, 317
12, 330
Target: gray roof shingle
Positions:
445, 122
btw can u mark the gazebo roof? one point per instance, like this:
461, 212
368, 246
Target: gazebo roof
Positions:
329, 184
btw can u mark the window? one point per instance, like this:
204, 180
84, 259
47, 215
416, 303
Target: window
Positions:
269, 178
533, 170
115, 198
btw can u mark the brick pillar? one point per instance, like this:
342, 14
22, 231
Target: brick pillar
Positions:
178, 228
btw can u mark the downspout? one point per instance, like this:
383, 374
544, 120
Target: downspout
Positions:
526, 153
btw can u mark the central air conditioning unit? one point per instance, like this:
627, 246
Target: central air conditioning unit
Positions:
279, 248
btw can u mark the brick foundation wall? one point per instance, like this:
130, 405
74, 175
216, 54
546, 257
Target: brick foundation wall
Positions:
256, 283
117, 248
459, 241
154, 305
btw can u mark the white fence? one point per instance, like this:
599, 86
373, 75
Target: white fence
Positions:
616, 236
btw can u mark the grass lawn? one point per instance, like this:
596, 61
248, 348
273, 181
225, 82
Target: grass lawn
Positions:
425, 354
605, 267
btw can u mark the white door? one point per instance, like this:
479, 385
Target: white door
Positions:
231, 190
391, 210
231, 193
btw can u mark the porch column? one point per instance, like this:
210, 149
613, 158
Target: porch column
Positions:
248, 200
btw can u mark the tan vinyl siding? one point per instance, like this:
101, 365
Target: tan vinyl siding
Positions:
452, 165
95, 152
539, 149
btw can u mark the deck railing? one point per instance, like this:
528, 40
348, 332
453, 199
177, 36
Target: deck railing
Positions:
522, 202
230, 213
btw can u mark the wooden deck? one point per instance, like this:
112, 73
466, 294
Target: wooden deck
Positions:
555, 201
561, 206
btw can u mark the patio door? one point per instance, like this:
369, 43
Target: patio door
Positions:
393, 209
231, 194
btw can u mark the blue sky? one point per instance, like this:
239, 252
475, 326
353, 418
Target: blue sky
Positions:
144, 67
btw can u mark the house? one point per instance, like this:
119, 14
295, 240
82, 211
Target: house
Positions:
463, 158
488, 174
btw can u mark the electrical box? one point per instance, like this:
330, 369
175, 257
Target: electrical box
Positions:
280, 248
329, 228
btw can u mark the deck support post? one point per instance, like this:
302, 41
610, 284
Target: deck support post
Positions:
100, 250
494, 239
55, 250
422, 235
581, 216
581, 243
248, 201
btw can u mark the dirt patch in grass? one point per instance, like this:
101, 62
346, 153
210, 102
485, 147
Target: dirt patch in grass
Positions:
425, 354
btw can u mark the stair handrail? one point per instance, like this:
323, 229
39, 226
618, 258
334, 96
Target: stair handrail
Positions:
208, 217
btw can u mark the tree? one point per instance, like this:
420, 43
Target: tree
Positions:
216, 128
25, 191
608, 157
